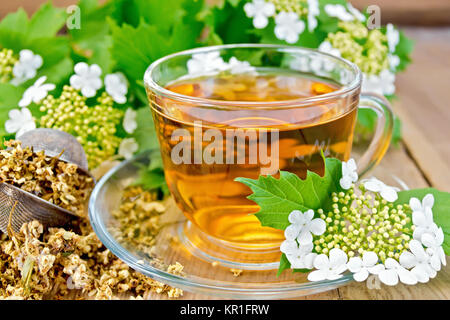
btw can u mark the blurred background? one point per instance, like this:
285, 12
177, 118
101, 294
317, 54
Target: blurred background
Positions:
406, 12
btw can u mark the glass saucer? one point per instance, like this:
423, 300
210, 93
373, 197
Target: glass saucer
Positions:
202, 275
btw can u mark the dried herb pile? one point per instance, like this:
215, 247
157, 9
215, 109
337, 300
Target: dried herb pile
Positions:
47, 177
71, 262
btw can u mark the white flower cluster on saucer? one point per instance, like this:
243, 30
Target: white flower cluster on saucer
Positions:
419, 259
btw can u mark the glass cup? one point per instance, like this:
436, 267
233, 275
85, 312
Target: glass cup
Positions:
206, 142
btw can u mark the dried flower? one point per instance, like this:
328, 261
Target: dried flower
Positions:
53, 180
55, 261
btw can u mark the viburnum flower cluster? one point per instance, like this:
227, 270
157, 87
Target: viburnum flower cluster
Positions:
372, 50
93, 122
366, 234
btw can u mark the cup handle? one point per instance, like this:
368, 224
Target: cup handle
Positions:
383, 131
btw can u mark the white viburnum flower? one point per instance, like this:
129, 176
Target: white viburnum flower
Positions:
288, 26
393, 37
434, 242
205, 63
128, 147
321, 65
116, 86
313, 12
260, 11
300, 63
303, 226
87, 79
329, 268
418, 260
349, 174
388, 193
356, 12
236, 66
129, 120
27, 66
422, 216
339, 11
394, 61
20, 121
300, 257
36, 92
327, 47
393, 272
383, 84
361, 268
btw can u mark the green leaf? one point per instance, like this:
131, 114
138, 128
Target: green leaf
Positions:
151, 179
145, 133
403, 50
46, 22
277, 198
231, 24
17, 31
9, 99
441, 209
134, 56
284, 264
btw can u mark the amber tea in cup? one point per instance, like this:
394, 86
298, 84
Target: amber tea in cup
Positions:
218, 117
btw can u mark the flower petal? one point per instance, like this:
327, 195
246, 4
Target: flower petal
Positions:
388, 277
369, 258
407, 259
417, 250
337, 257
308, 215
441, 253
406, 277
305, 236
345, 182
296, 216
292, 232
309, 260
418, 218
317, 226
428, 200
321, 262
318, 275
362, 275
95, 70
435, 262
391, 263
421, 274
289, 247
355, 264
81, 68
428, 240
373, 184
389, 194
260, 21
376, 269
415, 204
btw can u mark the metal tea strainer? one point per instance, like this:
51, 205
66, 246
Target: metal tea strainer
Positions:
18, 206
